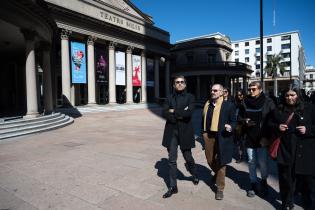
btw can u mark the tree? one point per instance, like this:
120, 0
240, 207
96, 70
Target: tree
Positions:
273, 66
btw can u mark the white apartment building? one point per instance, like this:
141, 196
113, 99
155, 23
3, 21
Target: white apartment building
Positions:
288, 44
309, 79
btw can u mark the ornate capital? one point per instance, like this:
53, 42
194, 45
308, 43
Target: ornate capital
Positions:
129, 49
112, 45
28, 34
65, 34
91, 40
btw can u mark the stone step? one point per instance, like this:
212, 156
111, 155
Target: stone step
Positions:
30, 123
49, 124
26, 120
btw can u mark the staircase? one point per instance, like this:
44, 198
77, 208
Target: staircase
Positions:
19, 127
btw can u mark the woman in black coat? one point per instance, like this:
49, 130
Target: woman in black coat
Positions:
296, 152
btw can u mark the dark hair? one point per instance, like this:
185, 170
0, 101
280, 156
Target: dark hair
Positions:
179, 76
256, 83
299, 106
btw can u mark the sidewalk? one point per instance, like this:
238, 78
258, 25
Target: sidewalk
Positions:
112, 160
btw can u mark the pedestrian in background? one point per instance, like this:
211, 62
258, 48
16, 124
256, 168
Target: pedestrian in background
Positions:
239, 131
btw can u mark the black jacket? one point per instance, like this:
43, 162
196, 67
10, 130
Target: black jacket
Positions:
296, 149
224, 138
181, 119
259, 108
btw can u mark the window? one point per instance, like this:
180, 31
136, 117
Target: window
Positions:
236, 52
257, 66
257, 74
269, 48
285, 46
287, 37
236, 45
268, 57
257, 58
286, 64
311, 76
257, 50
237, 60
257, 41
190, 59
246, 43
246, 59
286, 55
246, 51
269, 40
211, 58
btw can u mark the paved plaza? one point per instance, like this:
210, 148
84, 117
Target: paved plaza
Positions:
113, 160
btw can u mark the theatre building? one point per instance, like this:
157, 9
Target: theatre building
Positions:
79, 52
206, 60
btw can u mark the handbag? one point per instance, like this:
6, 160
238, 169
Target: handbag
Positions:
274, 147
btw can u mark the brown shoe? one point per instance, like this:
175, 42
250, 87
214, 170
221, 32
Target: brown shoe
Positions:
219, 195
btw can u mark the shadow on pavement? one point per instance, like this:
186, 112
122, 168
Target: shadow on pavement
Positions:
241, 178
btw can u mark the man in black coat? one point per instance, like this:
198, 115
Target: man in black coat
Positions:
219, 120
178, 110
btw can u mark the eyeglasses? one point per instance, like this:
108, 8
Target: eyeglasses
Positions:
180, 82
225, 91
214, 90
252, 89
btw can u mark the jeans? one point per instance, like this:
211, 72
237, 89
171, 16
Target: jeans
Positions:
260, 156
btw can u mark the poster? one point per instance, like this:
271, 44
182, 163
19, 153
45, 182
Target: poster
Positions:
101, 65
78, 62
150, 72
136, 70
120, 68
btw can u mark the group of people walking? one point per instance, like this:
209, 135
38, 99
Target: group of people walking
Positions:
251, 121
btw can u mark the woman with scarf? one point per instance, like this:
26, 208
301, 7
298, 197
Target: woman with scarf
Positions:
294, 122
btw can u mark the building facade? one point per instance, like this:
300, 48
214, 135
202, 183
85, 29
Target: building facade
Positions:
287, 44
206, 60
309, 79
83, 52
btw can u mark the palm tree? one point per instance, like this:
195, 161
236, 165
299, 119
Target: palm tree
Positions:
273, 66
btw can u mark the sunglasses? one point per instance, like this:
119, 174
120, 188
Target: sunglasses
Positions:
214, 90
179, 82
252, 89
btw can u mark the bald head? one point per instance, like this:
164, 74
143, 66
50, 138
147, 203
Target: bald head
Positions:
216, 91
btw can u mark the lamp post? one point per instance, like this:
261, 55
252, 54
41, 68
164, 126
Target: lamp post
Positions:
261, 45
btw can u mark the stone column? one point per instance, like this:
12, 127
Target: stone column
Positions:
65, 67
157, 77
129, 88
91, 70
112, 73
30, 73
198, 88
144, 77
48, 99
212, 80
245, 85
167, 78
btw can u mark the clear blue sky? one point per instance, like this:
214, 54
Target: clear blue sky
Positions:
238, 19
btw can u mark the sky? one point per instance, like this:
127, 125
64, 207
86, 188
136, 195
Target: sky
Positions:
238, 19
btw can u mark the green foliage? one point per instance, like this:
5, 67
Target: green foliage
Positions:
274, 64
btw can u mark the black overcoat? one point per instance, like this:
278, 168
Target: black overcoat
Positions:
224, 138
181, 119
296, 149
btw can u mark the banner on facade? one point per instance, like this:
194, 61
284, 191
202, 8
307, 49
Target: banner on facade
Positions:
136, 70
101, 65
78, 62
150, 72
120, 68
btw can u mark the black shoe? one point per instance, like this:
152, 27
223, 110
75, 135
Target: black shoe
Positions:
219, 195
264, 187
170, 192
195, 180
252, 191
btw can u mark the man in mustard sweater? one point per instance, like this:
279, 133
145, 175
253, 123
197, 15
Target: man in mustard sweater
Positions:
219, 122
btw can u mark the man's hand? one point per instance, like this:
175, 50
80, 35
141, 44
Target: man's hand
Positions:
171, 110
283, 127
228, 127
